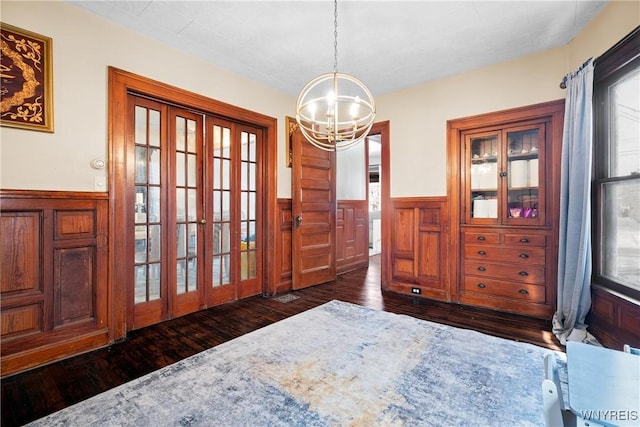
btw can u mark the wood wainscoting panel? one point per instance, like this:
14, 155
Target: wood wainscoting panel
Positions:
21, 321
73, 284
20, 256
419, 255
54, 276
428, 250
74, 224
352, 235
614, 318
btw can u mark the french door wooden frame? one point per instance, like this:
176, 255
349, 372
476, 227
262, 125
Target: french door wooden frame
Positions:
121, 84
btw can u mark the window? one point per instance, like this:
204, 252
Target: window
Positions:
616, 211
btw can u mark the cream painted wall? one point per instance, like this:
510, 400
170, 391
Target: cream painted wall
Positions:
84, 45
615, 21
418, 115
351, 173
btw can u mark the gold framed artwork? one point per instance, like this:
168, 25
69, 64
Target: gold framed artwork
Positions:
26, 79
291, 124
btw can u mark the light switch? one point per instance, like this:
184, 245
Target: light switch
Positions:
99, 183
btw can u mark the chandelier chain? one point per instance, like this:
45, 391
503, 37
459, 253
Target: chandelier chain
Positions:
335, 36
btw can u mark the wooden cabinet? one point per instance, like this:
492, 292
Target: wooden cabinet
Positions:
506, 270
504, 187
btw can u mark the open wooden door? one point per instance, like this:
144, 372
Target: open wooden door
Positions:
313, 201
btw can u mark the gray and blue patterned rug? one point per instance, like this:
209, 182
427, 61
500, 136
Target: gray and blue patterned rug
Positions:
338, 364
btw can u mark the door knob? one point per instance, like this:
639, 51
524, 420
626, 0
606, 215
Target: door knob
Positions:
203, 221
298, 221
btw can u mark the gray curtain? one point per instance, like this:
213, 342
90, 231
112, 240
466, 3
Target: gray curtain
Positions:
574, 256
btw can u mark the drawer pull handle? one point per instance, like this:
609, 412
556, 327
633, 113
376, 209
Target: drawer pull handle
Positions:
524, 291
482, 253
524, 240
524, 256
523, 273
482, 285
481, 238
482, 269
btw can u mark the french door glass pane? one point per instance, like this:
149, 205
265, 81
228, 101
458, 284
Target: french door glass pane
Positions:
192, 170
181, 276
154, 281
154, 243
146, 205
191, 136
154, 128
181, 240
140, 283
141, 164
621, 232
154, 166
181, 178
141, 126
192, 208
181, 213
153, 211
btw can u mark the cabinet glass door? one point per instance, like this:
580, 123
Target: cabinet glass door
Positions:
483, 166
524, 192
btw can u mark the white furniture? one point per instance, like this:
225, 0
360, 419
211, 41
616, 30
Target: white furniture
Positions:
603, 387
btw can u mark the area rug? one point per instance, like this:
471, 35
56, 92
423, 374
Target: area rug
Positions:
338, 364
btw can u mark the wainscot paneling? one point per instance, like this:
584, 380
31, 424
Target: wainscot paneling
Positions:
352, 235
614, 319
419, 262
53, 273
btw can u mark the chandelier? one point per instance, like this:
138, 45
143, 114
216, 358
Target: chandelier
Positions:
335, 110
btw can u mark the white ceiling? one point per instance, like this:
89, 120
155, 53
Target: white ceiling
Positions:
389, 45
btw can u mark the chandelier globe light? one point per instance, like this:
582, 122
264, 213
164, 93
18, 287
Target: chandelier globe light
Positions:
335, 110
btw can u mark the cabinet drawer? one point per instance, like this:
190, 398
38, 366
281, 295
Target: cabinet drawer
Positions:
482, 237
521, 256
519, 291
524, 273
525, 239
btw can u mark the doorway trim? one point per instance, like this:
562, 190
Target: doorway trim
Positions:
384, 130
120, 84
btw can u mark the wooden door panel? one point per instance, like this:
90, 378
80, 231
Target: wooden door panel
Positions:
314, 207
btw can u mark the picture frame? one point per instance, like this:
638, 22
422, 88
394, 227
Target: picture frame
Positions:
26, 79
291, 125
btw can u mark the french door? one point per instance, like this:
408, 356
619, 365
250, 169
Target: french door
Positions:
234, 231
196, 229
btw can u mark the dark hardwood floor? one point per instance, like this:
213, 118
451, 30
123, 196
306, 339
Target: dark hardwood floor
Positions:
38, 392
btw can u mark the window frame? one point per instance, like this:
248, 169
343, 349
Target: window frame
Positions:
610, 67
